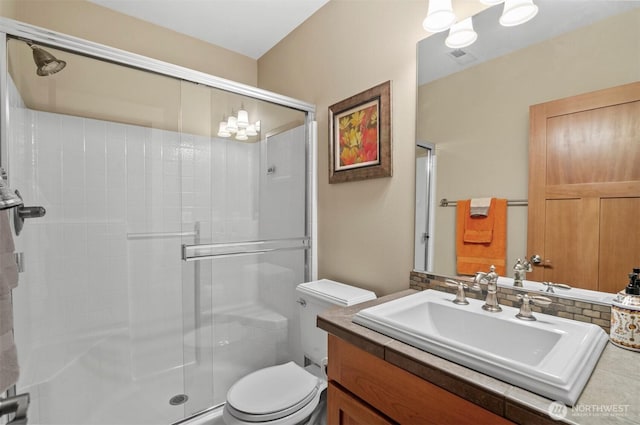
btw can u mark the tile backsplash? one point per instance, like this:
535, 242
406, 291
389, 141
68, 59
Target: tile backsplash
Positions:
597, 314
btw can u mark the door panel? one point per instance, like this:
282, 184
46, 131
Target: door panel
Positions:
569, 248
244, 244
584, 151
97, 312
619, 231
591, 139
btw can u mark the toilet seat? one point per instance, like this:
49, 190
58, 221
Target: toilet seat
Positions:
283, 394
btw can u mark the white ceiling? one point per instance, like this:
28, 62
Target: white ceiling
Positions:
248, 27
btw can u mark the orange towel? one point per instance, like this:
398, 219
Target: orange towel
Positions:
479, 229
474, 257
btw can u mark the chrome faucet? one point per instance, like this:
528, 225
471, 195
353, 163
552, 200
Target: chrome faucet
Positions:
520, 271
460, 295
525, 308
491, 280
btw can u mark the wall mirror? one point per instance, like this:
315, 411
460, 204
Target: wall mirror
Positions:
473, 105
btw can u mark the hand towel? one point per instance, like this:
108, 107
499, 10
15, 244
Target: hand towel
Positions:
9, 370
479, 228
475, 257
480, 207
6, 239
8, 265
8, 272
6, 314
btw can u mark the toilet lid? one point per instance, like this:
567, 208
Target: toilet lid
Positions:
286, 387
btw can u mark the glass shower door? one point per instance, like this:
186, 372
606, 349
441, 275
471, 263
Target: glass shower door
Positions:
246, 200
98, 309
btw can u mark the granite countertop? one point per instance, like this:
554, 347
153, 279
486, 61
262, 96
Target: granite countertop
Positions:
610, 396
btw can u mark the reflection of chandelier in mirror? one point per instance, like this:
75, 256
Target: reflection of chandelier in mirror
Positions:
440, 17
239, 125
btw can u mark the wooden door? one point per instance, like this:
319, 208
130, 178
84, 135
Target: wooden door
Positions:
584, 188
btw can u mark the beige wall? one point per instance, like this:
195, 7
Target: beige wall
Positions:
366, 227
479, 118
89, 21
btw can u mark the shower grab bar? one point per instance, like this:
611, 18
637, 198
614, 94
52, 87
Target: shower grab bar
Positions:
159, 235
205, 252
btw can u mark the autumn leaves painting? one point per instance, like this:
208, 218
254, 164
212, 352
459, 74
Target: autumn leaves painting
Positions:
360, 136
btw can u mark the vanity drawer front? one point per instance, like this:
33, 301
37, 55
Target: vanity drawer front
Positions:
400, 395
344, 409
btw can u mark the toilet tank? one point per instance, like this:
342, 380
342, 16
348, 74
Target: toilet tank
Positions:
316, 297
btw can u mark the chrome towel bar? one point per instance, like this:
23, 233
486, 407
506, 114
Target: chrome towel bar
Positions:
444, 202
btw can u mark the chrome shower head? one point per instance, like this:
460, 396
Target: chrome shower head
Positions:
47, 63
8, 198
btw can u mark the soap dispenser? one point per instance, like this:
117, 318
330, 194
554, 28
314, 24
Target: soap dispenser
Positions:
625, 314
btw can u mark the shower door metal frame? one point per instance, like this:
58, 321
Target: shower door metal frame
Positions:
80, 46
26, 32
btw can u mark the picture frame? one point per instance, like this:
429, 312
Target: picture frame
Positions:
360, 136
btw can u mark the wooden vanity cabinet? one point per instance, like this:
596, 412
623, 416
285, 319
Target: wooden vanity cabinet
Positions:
345, 409
364, 389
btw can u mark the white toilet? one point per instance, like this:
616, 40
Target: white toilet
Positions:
289, 394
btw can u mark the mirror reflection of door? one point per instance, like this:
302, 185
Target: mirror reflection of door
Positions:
584, 174
425, 162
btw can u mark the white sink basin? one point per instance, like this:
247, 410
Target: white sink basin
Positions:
552, 356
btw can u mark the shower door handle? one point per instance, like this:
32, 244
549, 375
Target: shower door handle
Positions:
21, 213
30, 212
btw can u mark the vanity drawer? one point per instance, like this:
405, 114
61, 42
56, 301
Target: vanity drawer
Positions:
398, 394
344, 409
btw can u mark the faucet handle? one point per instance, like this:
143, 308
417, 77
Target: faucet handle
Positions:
480, 277
525, 308
540, 300
460, 295
551, 285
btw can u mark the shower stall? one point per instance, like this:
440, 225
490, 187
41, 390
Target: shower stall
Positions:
165, 266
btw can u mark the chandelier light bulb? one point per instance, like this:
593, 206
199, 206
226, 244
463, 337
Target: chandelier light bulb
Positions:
440, 16
491, 2
232, 124
222, 130
243, 118
241, 134
461, 34
251, 130
517, 12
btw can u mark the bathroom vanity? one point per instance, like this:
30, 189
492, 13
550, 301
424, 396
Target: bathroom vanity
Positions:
360, 380
375, 379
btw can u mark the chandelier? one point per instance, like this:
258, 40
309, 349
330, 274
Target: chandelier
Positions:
238, 125
440, 17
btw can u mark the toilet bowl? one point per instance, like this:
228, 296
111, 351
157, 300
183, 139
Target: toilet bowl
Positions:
290, 394
283, 394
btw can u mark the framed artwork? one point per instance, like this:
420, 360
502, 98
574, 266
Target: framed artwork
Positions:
360, 136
